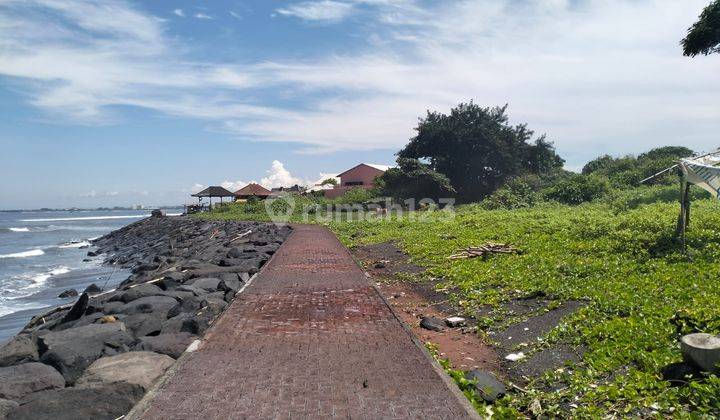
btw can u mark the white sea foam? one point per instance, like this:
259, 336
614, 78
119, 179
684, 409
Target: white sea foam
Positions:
74, 244
21, 229
24, 254
67, 219
7, 310
40, 279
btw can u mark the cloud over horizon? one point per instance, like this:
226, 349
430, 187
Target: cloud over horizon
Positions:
596, 76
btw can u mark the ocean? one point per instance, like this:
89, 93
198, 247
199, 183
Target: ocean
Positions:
44, 253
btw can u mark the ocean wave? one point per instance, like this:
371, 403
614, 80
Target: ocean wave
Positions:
21, 229
40, 279
74, 244
24, 254
11, 309
67, 219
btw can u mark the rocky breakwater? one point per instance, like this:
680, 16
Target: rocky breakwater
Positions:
97, 357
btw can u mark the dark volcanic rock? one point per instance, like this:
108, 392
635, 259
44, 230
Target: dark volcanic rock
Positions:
137, 292
487, 384
108, 401
19, 349
74, 349
112, 307
210, 284
145, 324
173, 344
149, 304
68, 294
431, 323
78, 309
20, 380
92, 289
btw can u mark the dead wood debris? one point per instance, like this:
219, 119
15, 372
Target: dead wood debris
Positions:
484, 250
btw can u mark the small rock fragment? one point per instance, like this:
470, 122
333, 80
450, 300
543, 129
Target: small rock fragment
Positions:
431, 323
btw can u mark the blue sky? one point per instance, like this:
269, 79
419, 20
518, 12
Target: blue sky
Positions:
143, 102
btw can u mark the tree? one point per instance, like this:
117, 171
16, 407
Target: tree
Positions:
414, 179
478, 150
628, 171
704, 36
329, 181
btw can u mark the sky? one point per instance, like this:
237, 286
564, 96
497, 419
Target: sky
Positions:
143, 102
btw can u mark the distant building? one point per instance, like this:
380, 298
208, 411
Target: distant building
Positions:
252, 190
295, 189
360, 176
319, 186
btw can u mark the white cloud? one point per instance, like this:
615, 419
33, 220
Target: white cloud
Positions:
278, 176
179, 12
233, 186
203, 16
324, 10
597, 75
196, 188
235, 14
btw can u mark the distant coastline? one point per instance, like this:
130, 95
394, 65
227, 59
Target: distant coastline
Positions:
118, 208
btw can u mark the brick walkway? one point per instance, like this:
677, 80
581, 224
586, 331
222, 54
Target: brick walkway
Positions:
309, 338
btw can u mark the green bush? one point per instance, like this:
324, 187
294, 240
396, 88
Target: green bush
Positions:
356, 196
622, 200
578, 189
516, 194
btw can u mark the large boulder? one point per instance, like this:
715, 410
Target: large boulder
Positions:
208, 283
19, 349
78, 309
149, 304
109, 401
172, 344
71, 351
141, 368
69, 293
6, 406
137, 292
21, 380
145, 324
191, 304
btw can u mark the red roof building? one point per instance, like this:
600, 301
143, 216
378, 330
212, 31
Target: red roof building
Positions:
252, 190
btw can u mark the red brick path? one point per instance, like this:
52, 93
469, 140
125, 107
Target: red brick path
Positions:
309, 338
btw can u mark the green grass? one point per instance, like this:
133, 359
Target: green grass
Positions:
642, 293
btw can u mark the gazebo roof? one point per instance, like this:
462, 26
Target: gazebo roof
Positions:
252, 189
214, 191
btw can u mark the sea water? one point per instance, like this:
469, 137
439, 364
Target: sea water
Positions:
44, 253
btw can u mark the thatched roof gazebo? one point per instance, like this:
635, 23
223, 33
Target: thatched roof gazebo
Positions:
252, 190
213, 191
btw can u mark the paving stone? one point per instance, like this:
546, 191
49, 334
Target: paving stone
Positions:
309, 338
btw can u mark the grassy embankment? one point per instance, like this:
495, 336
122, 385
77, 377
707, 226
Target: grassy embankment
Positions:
617, 254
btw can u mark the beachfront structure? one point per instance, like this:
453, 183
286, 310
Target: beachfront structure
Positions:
295, 189
252, 190
213, 191
319, 186
360, 176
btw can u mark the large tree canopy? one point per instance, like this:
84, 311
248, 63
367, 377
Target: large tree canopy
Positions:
478, 150
704, 36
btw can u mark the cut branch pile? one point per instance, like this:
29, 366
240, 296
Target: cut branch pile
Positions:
484, 250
